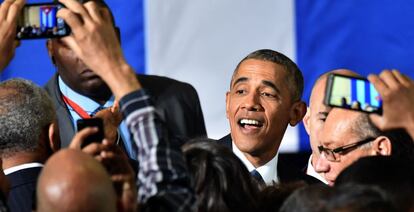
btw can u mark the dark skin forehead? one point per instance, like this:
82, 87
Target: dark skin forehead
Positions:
266, 83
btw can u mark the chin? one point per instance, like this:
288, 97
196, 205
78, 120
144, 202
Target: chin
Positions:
247, 145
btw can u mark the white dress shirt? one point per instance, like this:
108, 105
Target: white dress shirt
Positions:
267, 171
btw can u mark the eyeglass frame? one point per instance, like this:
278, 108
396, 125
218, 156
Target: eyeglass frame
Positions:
341, 149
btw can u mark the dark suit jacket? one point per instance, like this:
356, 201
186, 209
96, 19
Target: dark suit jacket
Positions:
176, 102
286, 170
23, 189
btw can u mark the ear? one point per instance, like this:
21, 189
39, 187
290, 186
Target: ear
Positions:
306, 120
53, 135
227, 104
382, 146
297, 112
50, 47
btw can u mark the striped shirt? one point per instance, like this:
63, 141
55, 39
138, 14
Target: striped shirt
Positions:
163, 178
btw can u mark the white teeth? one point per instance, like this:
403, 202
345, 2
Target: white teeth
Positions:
249, 122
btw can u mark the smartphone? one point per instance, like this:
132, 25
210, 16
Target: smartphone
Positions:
91, 122
354, 93
39, 21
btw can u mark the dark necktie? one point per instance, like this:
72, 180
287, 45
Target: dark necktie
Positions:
256, 175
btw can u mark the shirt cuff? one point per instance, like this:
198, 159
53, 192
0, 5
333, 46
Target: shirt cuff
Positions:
133, 101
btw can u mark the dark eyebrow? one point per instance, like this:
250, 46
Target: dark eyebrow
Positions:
239, 80
272, 85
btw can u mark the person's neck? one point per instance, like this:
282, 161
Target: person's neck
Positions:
22, 158
260, 160
100, 95
102, 98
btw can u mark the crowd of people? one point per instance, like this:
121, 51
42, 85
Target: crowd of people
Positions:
155, 155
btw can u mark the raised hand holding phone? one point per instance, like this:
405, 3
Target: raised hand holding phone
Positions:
39, 21
397, 92
354, 93
95, 42
94, 136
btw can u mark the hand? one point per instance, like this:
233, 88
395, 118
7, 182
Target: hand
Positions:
115, 162
9, 11
112, 119
122, 175
77, 141
397, 94
95, 42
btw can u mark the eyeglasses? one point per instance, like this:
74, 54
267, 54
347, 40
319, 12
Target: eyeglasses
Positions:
333, 154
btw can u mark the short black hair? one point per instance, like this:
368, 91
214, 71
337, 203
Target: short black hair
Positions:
393, 174
294, 75
221, 181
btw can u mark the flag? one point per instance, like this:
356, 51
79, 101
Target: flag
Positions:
201, 42
47, 17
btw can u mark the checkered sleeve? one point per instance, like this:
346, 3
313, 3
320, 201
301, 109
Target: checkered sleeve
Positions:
163, 179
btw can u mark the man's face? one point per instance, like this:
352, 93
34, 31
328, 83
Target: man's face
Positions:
338, 132
316, 116
258, 107
72, 70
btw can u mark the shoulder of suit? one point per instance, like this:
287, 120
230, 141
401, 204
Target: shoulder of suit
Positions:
163, 82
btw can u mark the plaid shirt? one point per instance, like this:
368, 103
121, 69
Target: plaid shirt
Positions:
163, 179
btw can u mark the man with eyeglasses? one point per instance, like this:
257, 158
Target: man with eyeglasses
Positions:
349, 135
315, 117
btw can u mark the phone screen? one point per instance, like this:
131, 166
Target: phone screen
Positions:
92, 122
40, 21
352, 93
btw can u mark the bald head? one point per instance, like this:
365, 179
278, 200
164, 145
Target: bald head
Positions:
318, 90
74, 181
318, 112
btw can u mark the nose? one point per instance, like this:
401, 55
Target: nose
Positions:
252, 102
322, 164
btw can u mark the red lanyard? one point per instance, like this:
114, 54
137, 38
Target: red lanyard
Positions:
81, 112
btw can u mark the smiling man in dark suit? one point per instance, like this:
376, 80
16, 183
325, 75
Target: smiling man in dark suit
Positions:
264, 97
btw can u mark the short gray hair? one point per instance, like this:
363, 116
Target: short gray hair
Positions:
25, 110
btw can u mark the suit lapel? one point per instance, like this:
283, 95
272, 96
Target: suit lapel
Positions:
66, 128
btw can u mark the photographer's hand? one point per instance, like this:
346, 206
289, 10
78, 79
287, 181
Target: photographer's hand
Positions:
9, 11
397, 93
95, 42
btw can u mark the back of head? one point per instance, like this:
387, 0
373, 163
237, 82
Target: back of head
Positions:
221, 180
25, 111
272, 197
74, 181
392, 174
294, 75
312, 198
356, 198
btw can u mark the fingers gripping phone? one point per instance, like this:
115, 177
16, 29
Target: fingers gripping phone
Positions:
92, 122
354, 93
39, 21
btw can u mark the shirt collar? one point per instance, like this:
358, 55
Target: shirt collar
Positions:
21, 167
87, 104
268, 171
311, 172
